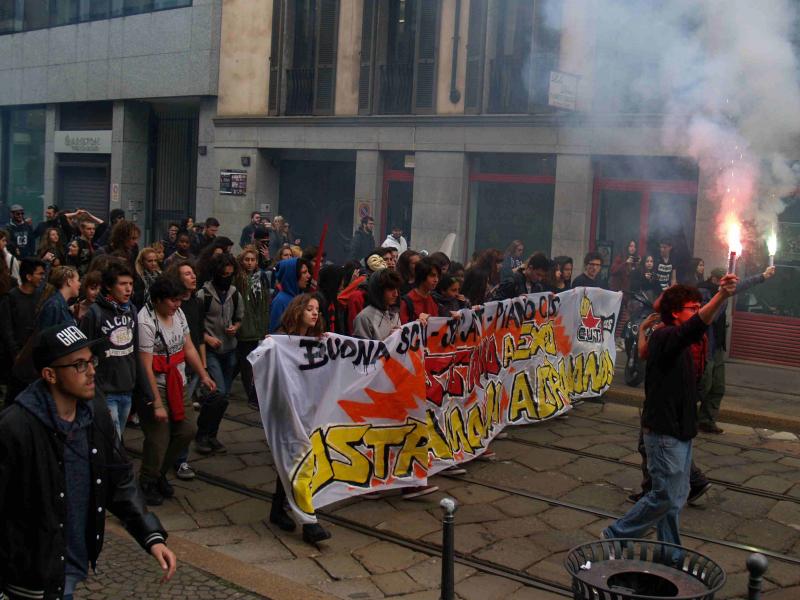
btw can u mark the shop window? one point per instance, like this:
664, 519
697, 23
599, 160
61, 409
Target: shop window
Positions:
512, 197
24, 147
398, 194
645, 200
303, 57
780, 295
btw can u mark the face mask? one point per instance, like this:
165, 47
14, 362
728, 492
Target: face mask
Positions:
221, 281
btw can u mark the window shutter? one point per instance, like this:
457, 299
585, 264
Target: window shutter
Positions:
425, 59
275, 57
367, 55
476, 53
546, 49
327, 37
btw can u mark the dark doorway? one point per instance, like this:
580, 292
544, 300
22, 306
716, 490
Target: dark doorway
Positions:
315, 192
173, 155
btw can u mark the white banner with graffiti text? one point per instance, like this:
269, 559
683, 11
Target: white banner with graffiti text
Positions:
345, 416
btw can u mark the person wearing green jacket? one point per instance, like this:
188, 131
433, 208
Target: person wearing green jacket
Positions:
254, 285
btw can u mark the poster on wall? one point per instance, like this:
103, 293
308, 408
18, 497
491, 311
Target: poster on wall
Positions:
233, 182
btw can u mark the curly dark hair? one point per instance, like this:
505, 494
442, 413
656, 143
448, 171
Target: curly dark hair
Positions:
674, 298
165, 288
121, 233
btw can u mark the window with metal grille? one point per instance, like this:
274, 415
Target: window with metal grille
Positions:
303, 57
398, 56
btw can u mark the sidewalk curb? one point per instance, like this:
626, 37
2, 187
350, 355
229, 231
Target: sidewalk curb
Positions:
730, 414
236, 572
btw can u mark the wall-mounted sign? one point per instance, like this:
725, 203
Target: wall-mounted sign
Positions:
233, 182
83, 142
563, 90
364, 208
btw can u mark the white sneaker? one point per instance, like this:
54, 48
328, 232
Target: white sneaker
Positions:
455, 470
185, 472
488, 456
421, 490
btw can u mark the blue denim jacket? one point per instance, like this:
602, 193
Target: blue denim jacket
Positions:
55, 312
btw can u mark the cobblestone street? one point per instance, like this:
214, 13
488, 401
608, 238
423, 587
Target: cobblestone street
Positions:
127, 572
548, 491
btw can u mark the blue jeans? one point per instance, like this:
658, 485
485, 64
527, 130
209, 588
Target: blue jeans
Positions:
221, 368
119, 405
669, 462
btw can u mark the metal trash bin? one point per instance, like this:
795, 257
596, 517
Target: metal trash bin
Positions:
628, 569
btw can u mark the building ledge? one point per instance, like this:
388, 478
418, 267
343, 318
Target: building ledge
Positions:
561, 119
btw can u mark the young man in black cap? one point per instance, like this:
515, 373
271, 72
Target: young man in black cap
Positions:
21, 231
61, 468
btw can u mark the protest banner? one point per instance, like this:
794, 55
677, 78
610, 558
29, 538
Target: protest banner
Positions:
346, 416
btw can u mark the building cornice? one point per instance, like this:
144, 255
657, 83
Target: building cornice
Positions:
534, 120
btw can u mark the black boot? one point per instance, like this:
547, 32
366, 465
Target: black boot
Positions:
279, 517
202, 445
314, 533
150, 492
216, 445
165, 487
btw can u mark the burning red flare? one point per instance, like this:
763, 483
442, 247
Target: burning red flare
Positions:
733, 234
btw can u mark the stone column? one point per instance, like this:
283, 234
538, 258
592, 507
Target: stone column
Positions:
207, 173
440, 201
50, 127
129, 161
369, 186
572, 210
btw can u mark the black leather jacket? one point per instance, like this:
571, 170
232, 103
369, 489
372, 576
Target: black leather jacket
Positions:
33, 543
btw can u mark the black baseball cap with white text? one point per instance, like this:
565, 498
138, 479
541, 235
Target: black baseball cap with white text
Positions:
58, 341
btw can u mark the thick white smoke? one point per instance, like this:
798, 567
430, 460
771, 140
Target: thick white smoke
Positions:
725, 73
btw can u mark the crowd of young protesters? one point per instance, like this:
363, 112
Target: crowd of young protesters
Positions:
176, 320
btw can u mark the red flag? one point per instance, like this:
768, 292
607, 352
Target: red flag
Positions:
318, 260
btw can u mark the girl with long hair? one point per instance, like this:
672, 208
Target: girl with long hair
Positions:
253, 285
64, 284
50, 248
406, 264
302, 318
72, 256
512, 259
624, 264
564, 265
90, 288
147, 271
483, 277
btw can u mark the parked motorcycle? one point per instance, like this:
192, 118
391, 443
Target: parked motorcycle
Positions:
639, 306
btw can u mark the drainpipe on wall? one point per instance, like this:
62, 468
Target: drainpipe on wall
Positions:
455, 95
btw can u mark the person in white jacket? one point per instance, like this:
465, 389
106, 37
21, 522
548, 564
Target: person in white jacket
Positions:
396, 240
